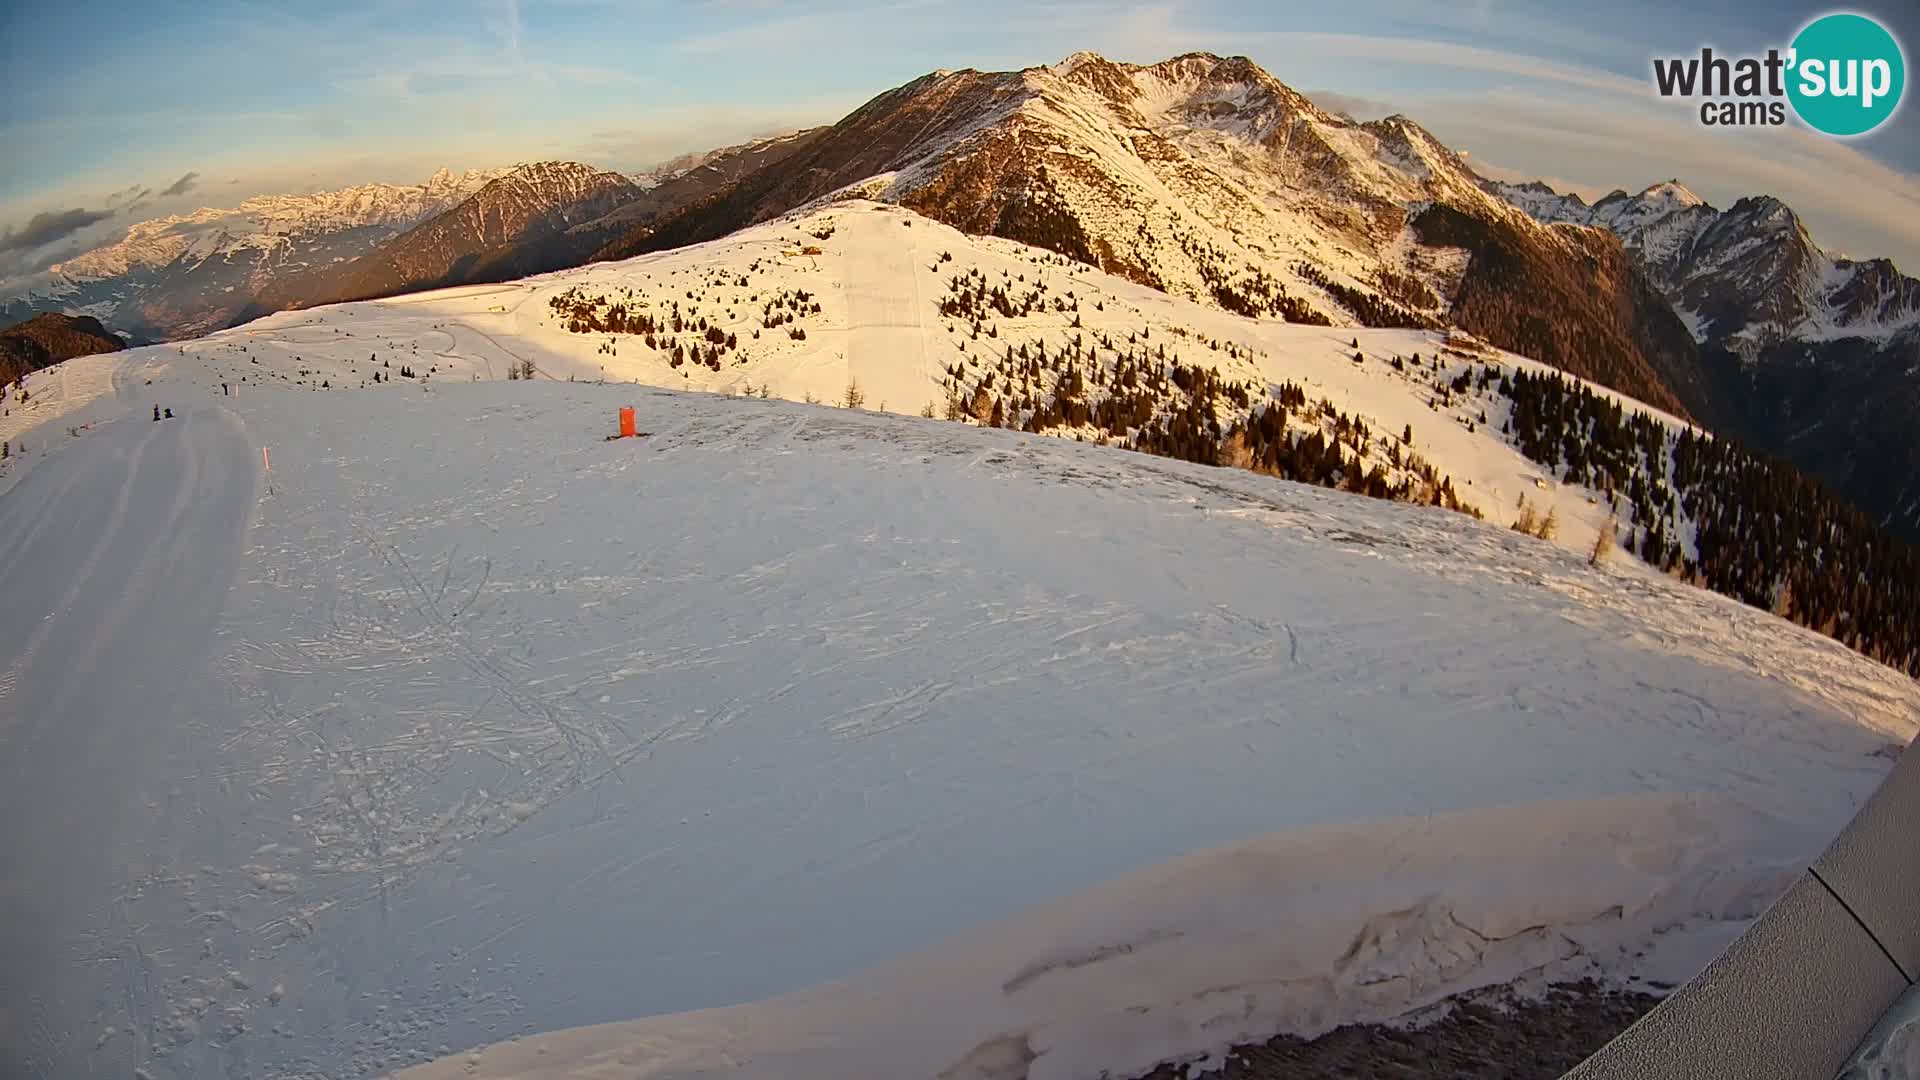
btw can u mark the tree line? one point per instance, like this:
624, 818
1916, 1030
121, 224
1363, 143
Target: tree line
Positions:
1726, 518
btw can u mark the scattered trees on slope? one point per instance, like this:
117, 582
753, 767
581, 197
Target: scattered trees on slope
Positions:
1138, 392
1761, 531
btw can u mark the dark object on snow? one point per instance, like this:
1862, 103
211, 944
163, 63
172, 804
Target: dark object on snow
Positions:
1485, 1035
156, 412
169, 414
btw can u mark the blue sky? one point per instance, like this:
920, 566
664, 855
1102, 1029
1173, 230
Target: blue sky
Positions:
103, 100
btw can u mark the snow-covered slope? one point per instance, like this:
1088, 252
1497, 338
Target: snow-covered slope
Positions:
863, 294
491, 726
1297, 931
268, 222
1209, 179
918, 317
853, 293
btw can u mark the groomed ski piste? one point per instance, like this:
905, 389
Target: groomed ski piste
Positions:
799, 741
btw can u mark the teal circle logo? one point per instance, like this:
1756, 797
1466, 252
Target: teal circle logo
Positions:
1847, 75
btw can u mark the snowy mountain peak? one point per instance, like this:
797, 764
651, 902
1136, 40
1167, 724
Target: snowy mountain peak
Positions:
1065, 67
449, 187
187, 274
1767, 212
264, 222
553, 168
560, 180
1745, 277
1619, 210
1672, 193
1203, 67
1232, 95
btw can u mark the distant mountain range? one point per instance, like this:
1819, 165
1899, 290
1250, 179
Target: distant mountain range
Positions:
529, 220
188, 274
517, 224
1747, 277
1811, 356
1201, 176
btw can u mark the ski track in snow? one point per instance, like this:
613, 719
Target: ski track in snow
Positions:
484, 726
116, 565
885, 321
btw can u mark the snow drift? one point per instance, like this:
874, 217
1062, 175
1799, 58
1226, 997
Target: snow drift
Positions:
1297, 931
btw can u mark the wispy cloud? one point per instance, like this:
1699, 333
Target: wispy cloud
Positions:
425, 73
47, 238
1411, 51
130, 199
506, 26
646, 139
48, 227
789, 31
819, 29
1360, 108
181, 186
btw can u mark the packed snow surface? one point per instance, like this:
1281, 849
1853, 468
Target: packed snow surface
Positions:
799, 741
